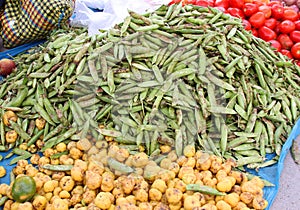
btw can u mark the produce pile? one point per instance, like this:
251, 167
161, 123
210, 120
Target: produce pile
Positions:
92, 177
179, 76
276, 22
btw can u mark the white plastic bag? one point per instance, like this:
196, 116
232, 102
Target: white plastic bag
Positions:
81, 15
114, 11
95, 4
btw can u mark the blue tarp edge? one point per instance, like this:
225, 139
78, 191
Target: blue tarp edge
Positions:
17, 50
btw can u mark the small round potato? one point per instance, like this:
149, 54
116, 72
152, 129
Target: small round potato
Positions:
2, 171
9, 116
102, 200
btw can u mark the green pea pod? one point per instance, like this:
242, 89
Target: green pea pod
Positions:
2, 89
219, 82
35, 138
21, 96
22, 157
3, 199
39, 75
266, 182
221, 110
204, 189
81, 53
53, 132
118, 166
18, 151
57, 139
125, 25
43, 113
2, 132
112, 133
247, 160
58, 155
50, 110
19, 130
57, 167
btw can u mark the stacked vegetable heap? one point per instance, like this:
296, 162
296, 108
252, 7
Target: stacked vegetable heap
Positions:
184, 78
276, 21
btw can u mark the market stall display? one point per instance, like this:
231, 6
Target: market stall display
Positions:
163, 79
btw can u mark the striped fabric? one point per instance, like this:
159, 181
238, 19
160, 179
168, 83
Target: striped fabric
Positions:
24, 21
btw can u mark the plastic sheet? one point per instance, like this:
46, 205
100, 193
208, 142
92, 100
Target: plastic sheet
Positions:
20, 49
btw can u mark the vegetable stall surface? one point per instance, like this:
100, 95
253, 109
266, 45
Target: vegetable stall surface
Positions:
179, 76
89, 179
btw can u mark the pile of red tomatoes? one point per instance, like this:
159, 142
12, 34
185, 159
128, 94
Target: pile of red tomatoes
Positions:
270, 21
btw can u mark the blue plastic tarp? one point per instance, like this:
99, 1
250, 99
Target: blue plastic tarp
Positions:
20, 49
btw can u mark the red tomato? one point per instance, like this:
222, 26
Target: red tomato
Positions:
266, 33
297, 24
254, 32
246, 24
275, 44
270, 4
285, 41
201, 3
296, 50
290, 14
295, 36
276, 29
277, 11
174, 2
266, 10
250, 9
236, 12
222, 3
286, 26
185, 2
236, 3
257, 2
286, 53
257, 20
271, 23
